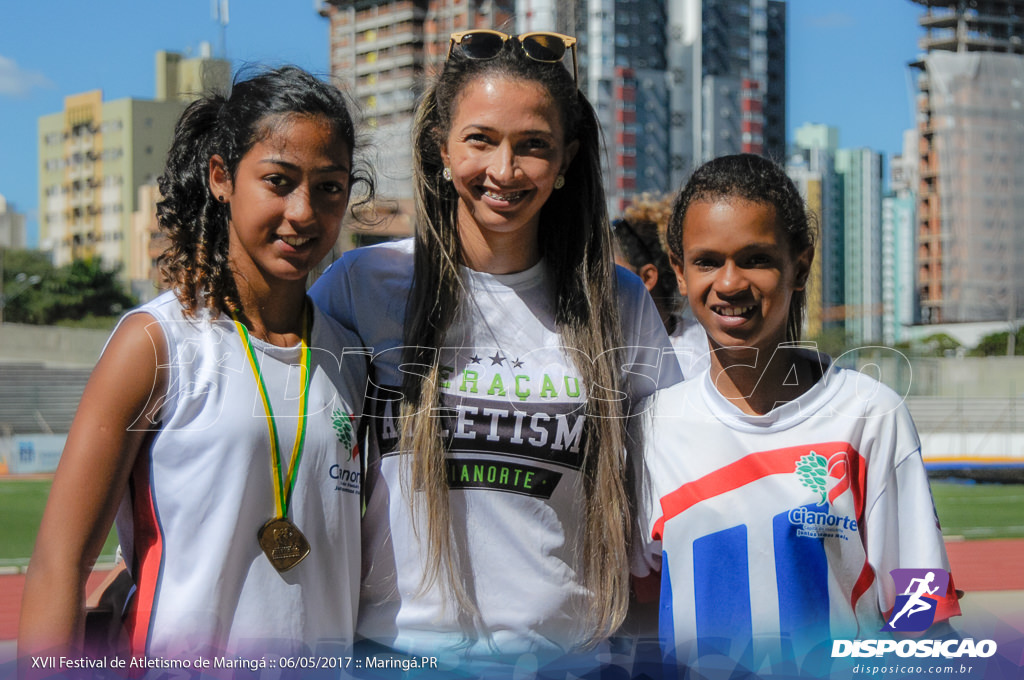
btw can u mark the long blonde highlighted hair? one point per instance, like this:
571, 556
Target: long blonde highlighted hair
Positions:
576, 243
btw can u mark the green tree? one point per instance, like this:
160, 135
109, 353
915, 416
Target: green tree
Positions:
76, 291
831, 341
995, 344
937, 345
84, 288
22, 299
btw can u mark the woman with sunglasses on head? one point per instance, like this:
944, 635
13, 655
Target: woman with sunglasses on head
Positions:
498, 517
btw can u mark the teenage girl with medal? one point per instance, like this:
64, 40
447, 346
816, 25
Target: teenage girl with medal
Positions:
218, 423
509, 352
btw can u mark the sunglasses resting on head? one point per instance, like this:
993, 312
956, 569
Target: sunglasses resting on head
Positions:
542, 46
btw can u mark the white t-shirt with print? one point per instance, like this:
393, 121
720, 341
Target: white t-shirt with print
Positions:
514, 428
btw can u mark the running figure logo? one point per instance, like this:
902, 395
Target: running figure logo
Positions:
921, 590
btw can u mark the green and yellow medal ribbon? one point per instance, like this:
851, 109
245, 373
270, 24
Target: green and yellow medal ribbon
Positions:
282, 488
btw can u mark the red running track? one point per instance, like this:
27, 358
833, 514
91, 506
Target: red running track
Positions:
11, 586
977, 566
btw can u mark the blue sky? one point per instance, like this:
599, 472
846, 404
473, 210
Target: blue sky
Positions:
847, 62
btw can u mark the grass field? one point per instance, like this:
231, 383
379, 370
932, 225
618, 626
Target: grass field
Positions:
980, 510
21, 510
974, 511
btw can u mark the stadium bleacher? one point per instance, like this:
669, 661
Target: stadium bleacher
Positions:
36, 398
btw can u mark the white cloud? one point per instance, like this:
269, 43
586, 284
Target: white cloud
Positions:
16, 81
832, 20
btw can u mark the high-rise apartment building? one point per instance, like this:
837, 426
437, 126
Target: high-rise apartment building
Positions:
727, 59
95, 154
624, 50
844, 189
12, 226
676, 83
774, 101
899, 303
970, 204
148, 243
812, 168
383, 52
861, 173
899, 237
811, 185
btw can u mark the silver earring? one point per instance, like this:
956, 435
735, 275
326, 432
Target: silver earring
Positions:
447, 174
560, 181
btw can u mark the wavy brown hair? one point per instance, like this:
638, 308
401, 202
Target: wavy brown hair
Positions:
195, 263
576, 243
640, 240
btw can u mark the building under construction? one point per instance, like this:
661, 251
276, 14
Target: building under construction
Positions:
970, 110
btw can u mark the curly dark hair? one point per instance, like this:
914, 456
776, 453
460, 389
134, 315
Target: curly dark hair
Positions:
639, 243
196, 262
758, 180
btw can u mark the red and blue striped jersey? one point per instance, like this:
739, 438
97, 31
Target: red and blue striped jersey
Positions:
776, 533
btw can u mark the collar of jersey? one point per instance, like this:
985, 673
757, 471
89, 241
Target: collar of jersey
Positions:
812, 403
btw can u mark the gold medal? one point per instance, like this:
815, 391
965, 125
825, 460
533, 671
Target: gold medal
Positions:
283, 543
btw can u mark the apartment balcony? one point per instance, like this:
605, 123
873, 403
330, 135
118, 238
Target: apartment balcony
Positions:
950, 42
388, 81
928, 216
391, 41
397, 54
946, 41
939, 20
924, 145
388, 108
388, 59
924, 108
929, 239
388, 15
80, 145
927, 280
381, 94
386, 64
399, 33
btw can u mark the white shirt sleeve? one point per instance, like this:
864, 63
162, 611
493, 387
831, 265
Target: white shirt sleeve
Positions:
332, 293
646, 551
649, 360
902, 525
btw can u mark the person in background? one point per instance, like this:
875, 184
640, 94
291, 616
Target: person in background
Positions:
639, 247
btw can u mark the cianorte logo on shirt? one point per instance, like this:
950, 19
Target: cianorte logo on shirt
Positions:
817, 520
344, 478
342, 424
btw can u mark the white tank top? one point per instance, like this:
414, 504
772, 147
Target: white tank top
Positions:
202, 488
